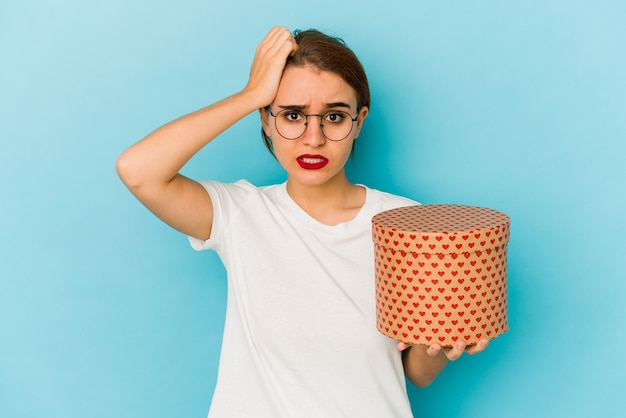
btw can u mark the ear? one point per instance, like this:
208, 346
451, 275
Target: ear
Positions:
265, 121
362, 115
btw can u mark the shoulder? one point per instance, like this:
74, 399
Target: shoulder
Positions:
378, 201
233, 202
238, 190
386, 200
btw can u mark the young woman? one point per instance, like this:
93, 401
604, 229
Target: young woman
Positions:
300, 338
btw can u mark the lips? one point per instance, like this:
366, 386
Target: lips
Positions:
312, 162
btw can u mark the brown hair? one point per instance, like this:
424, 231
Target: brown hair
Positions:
327, 53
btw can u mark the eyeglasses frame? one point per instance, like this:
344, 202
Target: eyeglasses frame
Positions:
306, 122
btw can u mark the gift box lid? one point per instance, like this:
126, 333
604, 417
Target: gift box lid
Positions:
441, 228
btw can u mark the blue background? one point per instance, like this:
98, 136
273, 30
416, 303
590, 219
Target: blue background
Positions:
518, 105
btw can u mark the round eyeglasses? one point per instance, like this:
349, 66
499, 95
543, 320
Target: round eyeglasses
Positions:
291, 124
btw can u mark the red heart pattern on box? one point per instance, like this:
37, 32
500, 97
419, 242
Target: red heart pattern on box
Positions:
441, 273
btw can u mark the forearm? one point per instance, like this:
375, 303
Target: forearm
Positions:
159, 156
422, 368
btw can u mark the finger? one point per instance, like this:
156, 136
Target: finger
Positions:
275, 37
477, 348
280, 36
287, 41
456, 351
433, 350
294, 46
275, 33
403, 346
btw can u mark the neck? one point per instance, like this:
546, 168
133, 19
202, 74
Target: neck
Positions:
330, 203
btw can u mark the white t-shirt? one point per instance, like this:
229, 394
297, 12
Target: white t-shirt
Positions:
300, 338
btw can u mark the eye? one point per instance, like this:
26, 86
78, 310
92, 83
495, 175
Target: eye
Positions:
334, 117
292, 116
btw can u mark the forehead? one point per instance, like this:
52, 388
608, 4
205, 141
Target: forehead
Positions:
307, 86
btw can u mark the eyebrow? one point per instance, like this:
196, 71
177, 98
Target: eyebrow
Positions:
338, 104
326, 106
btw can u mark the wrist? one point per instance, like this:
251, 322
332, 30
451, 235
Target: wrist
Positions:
254, 98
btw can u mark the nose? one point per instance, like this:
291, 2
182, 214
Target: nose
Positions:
313, 135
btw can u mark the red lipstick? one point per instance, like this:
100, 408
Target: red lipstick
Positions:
312, 162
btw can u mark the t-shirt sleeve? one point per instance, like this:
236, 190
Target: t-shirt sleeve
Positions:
227, 199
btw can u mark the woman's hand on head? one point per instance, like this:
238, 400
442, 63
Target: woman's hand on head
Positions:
269, 63
452, 353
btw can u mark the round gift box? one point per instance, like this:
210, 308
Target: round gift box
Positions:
441, 273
